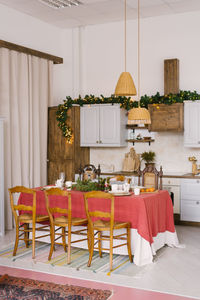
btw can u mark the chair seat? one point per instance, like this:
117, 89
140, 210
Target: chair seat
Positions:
102, 225
27, 218
63, 221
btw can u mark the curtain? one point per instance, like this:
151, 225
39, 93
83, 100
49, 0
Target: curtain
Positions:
25, 91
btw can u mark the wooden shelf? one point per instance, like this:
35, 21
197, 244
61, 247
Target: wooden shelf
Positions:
140, 141
129, 126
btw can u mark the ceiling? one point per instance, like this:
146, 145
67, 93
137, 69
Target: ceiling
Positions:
100, 11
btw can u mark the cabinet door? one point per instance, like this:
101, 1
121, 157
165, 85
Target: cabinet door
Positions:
192, 124
90, 125
109, 125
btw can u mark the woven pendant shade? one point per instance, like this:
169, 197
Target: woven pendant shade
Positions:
139, 115
125, 85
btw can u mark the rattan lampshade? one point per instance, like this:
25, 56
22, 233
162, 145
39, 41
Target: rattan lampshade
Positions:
139, 115
125, 85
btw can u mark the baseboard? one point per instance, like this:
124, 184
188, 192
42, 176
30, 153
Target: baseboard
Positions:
177, 221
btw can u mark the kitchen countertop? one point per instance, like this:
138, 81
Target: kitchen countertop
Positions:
165, 175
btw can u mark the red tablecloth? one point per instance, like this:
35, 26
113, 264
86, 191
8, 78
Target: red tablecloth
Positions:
150, 213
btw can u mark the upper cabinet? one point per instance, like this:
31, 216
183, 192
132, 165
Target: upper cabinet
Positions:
103, 125
192, 124
166, 117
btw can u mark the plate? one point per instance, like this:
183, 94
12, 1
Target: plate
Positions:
48, 187
120, 193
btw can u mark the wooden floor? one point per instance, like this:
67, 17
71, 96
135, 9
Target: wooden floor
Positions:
175, 271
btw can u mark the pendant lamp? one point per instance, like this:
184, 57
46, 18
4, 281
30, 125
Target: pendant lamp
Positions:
125, 85
139, 115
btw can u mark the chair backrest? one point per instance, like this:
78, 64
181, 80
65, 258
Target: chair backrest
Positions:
55, 208
95, 208
22, 207
151, 177
89, 172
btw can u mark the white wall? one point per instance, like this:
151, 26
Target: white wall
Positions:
24, 30
94, 58
175, 36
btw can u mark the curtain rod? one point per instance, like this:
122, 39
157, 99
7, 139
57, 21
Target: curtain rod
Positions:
15, 47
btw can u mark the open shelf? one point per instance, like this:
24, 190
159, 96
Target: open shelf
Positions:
140, 141
129, 126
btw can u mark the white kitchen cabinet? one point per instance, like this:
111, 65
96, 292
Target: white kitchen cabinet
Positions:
103, 125
2, 228
190, 200
173, 185
192, 123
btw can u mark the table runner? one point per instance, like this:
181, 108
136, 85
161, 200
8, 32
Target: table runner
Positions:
149, 213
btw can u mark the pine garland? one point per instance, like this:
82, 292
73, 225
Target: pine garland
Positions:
125, 102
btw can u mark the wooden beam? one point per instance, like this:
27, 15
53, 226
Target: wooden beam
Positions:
11, 46
171, 76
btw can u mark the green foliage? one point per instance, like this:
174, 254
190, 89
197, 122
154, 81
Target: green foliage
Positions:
148, 156
88, 185
125, 102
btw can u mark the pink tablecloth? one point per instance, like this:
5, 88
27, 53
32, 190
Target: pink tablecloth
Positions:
150, 213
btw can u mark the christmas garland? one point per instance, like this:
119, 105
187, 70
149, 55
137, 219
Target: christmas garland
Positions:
125, 102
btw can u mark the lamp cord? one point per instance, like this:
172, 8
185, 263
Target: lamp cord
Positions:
125, 34
138, 53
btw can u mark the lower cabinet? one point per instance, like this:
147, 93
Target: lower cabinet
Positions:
190, 200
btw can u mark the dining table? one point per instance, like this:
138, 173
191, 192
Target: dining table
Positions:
150, 214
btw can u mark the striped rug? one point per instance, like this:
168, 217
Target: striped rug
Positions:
79, 259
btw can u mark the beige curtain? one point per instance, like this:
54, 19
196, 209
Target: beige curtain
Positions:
25, 91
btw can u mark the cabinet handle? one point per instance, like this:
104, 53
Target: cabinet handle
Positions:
97, 142
197, 202
198, 142
197, 181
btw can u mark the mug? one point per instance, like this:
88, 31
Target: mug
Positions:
68, 184
59, 183
114, 187
136, 191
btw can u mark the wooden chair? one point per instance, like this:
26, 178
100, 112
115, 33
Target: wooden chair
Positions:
24, 216
63, 221
151, 177
104, 221
89, 172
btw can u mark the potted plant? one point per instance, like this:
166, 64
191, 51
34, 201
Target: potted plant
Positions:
148, 157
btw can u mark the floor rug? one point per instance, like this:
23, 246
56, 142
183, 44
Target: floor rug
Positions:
29, 289
79, 259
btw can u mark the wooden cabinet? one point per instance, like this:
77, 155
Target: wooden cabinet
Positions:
192, 124
190, 200
103, 125
166, 117
63, 157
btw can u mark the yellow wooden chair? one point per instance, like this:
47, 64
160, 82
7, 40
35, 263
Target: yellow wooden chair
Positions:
104, 221
62, 222
27, 217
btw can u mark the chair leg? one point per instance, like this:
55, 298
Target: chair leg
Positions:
99, 244
33, 240
91, 246
26, 234
111, 249
16, 239
64, 239
129, 244
52, 235
69, 246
